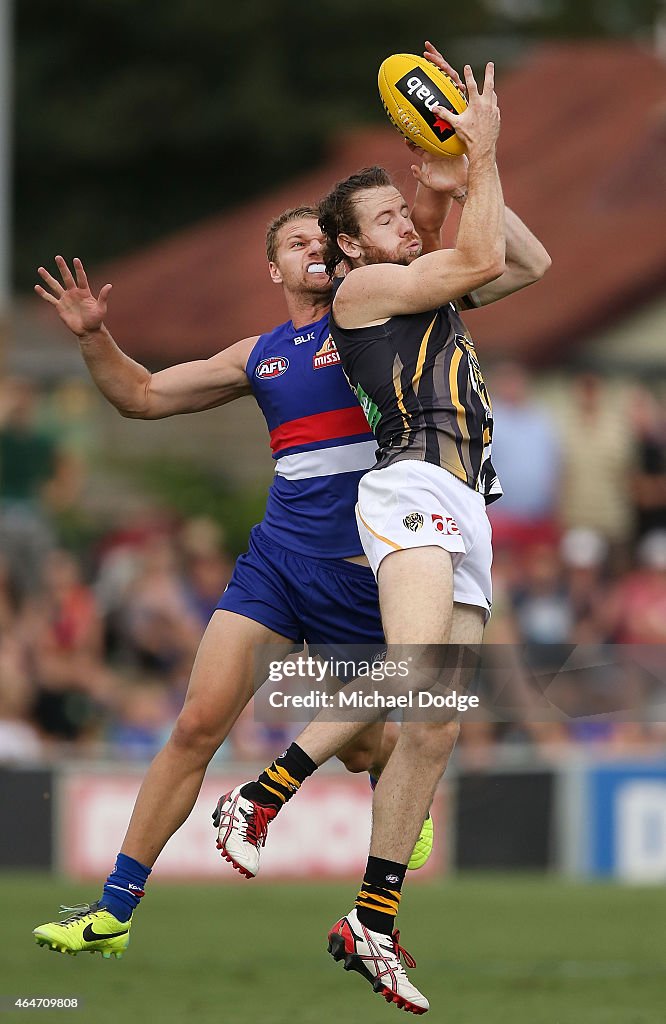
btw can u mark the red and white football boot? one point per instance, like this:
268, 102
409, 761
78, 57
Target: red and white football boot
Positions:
242, 828
377, 958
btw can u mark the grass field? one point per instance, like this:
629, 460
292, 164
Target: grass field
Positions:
490, 950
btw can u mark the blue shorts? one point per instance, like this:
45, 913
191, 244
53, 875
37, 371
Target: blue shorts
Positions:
322, 601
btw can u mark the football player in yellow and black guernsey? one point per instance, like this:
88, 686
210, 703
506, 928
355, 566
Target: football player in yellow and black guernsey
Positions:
421, 510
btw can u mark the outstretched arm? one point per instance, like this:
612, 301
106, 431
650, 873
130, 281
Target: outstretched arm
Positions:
130, 387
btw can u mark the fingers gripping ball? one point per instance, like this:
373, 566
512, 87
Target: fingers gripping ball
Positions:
410, 87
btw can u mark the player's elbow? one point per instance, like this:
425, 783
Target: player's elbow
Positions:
542, 264
537, 265
490, 263
492, 268
137, 405
130, 412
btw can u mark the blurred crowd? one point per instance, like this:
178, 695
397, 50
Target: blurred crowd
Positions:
96, 646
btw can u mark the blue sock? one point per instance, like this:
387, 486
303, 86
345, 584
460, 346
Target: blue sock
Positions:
124, 887
374, 779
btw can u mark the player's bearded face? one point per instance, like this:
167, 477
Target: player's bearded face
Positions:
386, 233
400, 255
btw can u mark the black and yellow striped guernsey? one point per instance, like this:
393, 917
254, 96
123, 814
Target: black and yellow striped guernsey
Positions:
420, 384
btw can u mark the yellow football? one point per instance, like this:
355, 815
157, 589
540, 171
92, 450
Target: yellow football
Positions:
410, 87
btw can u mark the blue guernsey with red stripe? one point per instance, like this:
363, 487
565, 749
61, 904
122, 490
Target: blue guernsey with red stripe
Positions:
320, 439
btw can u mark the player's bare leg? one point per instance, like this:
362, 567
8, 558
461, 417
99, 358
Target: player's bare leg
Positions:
221, 684
407, 784
420, 580
370, 750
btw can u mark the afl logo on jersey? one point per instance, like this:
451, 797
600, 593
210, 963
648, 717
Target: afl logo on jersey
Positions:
273, 367
327, 355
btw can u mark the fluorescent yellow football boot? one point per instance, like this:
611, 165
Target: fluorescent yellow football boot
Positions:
88, 928
423, 847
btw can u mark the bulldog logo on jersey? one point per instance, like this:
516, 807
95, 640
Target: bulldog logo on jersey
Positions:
274, 366
413, 521
327, 355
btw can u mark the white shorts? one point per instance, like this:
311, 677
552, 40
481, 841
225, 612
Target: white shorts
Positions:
413, 504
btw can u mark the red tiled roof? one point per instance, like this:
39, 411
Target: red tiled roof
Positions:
583, 161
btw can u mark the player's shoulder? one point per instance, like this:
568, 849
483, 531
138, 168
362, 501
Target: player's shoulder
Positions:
235, 355
273, 332
362, 293
361, 279
267, 342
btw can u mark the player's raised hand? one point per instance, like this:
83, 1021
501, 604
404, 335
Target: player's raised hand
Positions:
440, 173
76, 305
432, 54
478, 126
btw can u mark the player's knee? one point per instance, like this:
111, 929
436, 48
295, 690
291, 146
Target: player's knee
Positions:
195, 733
357, 760
433, 741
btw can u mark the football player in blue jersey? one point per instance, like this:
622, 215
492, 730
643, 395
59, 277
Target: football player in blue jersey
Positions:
296, 583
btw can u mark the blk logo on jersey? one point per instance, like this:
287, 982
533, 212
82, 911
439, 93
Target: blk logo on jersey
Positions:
301, 339
422, 92
327, 355
275, 366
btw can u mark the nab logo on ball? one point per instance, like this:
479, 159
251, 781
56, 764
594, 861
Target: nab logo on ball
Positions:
424, 95
410, 88
275, 366
327, 355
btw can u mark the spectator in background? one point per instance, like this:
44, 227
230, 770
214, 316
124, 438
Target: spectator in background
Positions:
28, 466
584, 555
144, 718
162, 629
598, 456
119, 557
649, 477
636, 610
9, 599
19, 739
74, 685
526, 455
207, 566
541, 600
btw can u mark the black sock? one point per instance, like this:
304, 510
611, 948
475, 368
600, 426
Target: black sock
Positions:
379, 898
281, 779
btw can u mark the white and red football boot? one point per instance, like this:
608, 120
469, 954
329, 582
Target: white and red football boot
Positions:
242, 827
377, 958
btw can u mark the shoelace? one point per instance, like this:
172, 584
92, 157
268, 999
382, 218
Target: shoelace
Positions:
400, 951
77, 912
256, 829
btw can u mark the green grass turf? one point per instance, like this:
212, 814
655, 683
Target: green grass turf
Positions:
490, 950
